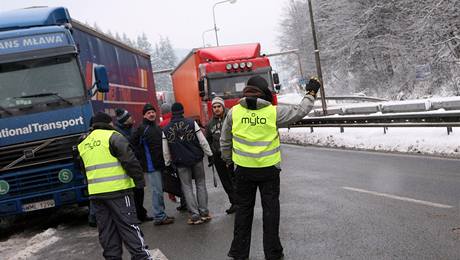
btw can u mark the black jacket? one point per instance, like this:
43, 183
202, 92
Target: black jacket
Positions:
153, 137
183, 143
120, 148
213, 129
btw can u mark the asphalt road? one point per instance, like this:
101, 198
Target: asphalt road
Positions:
335, 204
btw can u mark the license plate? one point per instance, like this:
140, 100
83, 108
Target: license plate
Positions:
38, 205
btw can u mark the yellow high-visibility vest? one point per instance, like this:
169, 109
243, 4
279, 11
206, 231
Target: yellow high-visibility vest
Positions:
103, 171
256, 142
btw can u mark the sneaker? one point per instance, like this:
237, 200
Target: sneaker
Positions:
206, 217
232, 209
191, 221
168, 220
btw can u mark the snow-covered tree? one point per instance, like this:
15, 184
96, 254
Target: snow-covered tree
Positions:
143, 44
125, 39
394, 49
163, 57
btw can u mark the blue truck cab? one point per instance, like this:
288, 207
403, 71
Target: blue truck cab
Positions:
53, 77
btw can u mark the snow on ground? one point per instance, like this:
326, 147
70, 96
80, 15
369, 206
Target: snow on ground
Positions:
19, 247
433, 141
423, 140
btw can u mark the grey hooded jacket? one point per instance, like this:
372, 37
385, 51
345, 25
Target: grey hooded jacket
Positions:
285, 115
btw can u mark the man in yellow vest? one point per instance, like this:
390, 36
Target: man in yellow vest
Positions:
250, 140
112, 171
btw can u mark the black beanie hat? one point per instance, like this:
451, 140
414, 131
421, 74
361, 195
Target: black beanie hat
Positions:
177, 109
259, 84
100, 117
148, 107
122, 115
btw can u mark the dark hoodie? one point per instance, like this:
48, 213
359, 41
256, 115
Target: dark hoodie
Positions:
120, 148
152, 134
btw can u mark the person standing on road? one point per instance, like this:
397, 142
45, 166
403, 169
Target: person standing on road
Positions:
251, 141
213, 130
112, 171
166, 118
148, 143
184, 145
124, 125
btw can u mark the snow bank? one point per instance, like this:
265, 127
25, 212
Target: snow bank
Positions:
433, 141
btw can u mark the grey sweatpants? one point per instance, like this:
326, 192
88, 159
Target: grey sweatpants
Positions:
196, 207
117, 221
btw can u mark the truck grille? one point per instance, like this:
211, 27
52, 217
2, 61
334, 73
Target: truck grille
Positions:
52, 150
32, 181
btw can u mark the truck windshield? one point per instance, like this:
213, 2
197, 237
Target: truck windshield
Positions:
26, 83
232, 87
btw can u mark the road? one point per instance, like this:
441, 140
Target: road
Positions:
335, 204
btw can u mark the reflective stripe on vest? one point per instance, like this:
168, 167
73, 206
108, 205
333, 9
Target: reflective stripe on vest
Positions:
256, 141
103, 171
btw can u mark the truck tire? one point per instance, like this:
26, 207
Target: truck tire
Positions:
6, 222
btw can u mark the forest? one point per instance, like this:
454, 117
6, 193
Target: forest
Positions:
396, 49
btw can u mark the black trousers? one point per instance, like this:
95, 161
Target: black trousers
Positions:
226, 176
139, 203
117, 223
247, 181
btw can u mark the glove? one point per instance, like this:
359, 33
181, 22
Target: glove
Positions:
210, 161
313, 86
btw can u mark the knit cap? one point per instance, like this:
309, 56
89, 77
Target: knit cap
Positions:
148, 107
218, 100
100, 117
177, 109
257, 86
122, 115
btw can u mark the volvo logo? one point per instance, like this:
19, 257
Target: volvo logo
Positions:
29, 154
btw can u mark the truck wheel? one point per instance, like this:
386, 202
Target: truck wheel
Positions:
6, 222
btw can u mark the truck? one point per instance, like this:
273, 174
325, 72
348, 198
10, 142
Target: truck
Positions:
221, 71
55, 73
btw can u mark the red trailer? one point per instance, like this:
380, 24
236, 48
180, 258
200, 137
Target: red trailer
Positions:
218, 71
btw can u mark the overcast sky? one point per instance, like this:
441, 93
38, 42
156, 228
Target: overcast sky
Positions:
183, 21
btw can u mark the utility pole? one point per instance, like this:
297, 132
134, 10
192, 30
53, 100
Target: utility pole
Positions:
317, 59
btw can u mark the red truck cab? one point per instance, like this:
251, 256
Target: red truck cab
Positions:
218, 72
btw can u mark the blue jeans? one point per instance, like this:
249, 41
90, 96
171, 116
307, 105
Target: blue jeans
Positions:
197, 206
158, 203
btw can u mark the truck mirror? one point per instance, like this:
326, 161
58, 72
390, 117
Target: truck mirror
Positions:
276, 79
278, 87
102, 81
201, 87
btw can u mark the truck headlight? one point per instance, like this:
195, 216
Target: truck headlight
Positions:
235, 66
242, 65
249, 64
228, 66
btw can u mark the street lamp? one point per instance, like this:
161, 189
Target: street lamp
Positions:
202, 35
214, 16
